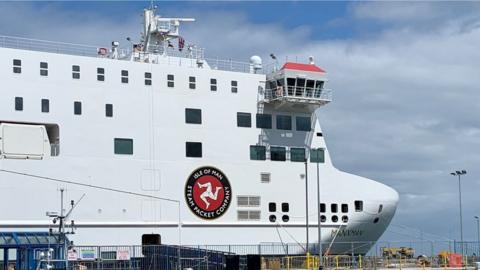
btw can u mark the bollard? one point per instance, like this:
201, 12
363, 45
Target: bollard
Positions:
336, 262
359, 261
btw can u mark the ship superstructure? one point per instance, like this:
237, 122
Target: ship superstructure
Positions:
230, 145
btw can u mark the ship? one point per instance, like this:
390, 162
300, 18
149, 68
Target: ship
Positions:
165, 145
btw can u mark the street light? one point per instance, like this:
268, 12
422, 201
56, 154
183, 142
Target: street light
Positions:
318, 157
478, 235
459, 174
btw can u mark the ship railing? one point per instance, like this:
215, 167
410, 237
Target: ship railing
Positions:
229, 65
298, 94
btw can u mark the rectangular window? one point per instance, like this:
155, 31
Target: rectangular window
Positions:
170, 80
278, 153
109, 110
317, 155
303, 123
248, 201
124, 76
272, 207
18, 104
148, 78
323, 208
213, 84
334, 207
77, 108
358, 206
285, 207
76, 72
193, 149
248, 215
344, 208
191, 82
265, 177
234, 86
193, 116
264, 121
43, 69
258, 152
123, 146
297, 154
244, 119
284, 122
45, 105
17, 66
100, 74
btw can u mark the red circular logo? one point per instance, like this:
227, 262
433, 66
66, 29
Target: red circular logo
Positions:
208, 193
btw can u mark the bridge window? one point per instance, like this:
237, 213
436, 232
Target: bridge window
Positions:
317, 155
124, 76
109, 110
244, 119
191, 82
17, 66
358, 206
258, 152
344, 208
148, 78
77, 108
234, 85
303, 123
284, 122
18, 104
123, 146
334, 207
278, 153
170, 80
297, 154
100, 74
213, 84
264, 121
76, 72
272, 207
45, 106
43, 69
323, 208
193, 149
285, 207
193, 116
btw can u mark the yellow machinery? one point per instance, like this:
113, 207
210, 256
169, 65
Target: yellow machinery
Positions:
398, 252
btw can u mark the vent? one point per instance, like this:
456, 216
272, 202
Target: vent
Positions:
248, 201
248, 215
265, 177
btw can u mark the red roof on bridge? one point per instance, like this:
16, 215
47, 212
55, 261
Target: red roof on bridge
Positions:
304, 67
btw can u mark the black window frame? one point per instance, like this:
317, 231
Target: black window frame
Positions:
124, 76
77, 108
285, 207
45, 105
295, 158
278, 153
261, 119
334, 208
76, 72
192, 82
258, 152
193, 116
148, 78
19, 104
244, 119
283, 122
303, 126
100, 74
317, 155
358, 205
272, 207
213, 84
108, 110
44, 69
120, 151
17, 66
344, 208
190, 146
234, 86
170, 80
323, 208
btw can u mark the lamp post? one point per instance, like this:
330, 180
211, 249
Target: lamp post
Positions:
306, 204
478, 235
318, 157
459, 174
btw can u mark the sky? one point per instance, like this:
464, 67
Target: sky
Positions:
405, 78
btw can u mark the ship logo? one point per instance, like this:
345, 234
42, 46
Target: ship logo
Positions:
208, 193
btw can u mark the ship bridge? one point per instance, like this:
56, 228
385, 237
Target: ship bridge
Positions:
297, 85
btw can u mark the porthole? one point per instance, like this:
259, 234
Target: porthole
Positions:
285, 218
345, 219
376, 220
272, 218
323, 218
334, 219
